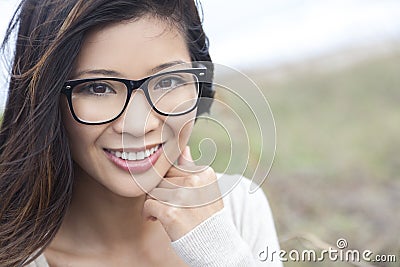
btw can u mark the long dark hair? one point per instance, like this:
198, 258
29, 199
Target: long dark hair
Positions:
36, 174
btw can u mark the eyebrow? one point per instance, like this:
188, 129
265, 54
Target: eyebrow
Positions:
113, 73
167, 65
104, 72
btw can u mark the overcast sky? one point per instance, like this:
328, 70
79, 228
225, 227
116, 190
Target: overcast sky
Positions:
268, 32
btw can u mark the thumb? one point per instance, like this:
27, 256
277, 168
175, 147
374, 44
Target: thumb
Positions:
186, 157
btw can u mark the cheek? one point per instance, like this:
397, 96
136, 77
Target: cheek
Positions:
71, 127
182, 127
185, 133
77, 141
79, 135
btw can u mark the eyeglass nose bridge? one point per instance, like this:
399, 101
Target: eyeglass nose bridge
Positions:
134, 85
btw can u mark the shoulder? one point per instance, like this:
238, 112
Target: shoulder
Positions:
250, 212
237, 198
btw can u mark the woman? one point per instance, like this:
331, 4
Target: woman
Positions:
102, 99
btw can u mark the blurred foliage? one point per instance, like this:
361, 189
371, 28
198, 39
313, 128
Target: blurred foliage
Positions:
336, 169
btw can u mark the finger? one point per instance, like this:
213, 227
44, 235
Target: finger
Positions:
148, 216
172, 182
148, 197
187, 197
186, 157
162, 194
184, 170
169, 217
183, 182
151, 209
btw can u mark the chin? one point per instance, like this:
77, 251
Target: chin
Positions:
129, 192
136, 185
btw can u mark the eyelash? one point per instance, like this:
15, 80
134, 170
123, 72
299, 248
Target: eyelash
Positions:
91, 87
175, 79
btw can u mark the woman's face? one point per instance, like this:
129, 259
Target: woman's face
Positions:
130, 50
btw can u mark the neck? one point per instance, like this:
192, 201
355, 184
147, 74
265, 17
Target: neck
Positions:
102, 218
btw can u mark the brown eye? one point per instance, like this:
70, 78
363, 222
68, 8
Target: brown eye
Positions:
165, 83
169, 82
99, 89
96, 89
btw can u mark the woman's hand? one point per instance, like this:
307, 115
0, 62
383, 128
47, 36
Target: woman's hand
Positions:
187, 196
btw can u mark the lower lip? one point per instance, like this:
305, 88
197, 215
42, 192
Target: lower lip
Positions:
135, 166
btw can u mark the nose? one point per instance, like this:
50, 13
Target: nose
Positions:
138, 117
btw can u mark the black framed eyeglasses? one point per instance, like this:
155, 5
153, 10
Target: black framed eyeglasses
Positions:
101, 100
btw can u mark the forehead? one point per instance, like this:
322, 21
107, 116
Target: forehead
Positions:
132, 48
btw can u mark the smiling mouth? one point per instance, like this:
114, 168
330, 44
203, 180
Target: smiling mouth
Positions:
135, 156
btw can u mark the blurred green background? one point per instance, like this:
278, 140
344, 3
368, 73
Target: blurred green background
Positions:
335, 174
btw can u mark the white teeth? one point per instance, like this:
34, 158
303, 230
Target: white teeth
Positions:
135, 155
132, 156
140, 155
